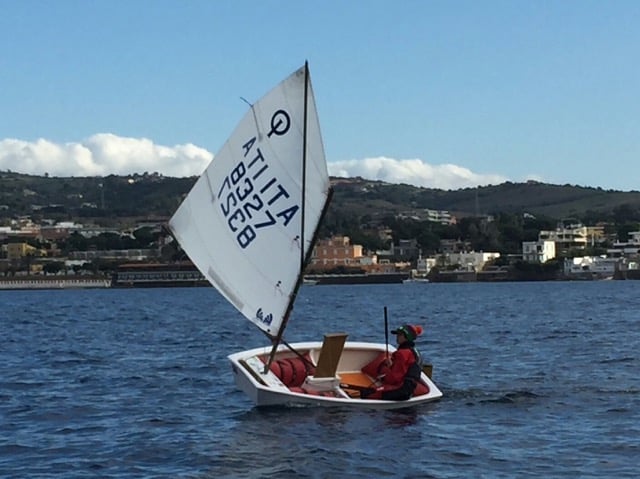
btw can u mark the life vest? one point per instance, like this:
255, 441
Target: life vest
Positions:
415, 370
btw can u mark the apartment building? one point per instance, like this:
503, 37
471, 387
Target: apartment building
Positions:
338, 251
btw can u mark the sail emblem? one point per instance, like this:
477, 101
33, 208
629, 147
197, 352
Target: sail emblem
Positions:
260, 316
280, 123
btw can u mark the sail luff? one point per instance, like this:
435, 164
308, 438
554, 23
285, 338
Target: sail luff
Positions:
304, 171
278, 338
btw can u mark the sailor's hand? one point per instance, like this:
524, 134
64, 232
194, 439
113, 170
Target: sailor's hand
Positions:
388, 362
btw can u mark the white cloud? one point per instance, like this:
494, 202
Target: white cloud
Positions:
414, 172
102, 154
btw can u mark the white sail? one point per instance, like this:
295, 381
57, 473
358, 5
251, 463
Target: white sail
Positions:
241, 222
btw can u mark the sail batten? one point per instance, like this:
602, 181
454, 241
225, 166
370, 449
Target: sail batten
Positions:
246, 221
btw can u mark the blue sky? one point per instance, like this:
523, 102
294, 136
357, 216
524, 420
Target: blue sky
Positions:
444, 94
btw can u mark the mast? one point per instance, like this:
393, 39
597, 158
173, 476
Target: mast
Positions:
304, 178
278, 337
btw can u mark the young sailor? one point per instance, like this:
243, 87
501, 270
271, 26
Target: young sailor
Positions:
401, 372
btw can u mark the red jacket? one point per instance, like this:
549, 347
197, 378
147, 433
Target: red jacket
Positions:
402, 359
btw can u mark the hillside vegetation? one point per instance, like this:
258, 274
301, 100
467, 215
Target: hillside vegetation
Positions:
532, 197
115, 198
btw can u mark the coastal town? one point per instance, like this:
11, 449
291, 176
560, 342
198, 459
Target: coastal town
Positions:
146, 255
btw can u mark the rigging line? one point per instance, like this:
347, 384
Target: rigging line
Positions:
297, 353
304, 359
255, 117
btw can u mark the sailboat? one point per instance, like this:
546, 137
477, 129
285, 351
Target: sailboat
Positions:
249, 224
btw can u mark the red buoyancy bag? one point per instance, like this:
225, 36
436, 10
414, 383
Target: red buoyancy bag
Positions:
286, 372
373, 368
421, 389
293, 371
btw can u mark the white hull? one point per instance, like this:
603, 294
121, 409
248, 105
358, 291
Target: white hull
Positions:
268, 390
415, 280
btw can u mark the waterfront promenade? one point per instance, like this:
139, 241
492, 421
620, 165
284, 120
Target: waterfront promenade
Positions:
50, 282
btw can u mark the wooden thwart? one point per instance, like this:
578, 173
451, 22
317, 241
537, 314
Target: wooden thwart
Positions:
330, 353
358, 379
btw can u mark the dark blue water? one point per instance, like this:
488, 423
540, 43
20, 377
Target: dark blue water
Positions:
540, 380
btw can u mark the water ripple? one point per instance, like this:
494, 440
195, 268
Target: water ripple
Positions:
540, 380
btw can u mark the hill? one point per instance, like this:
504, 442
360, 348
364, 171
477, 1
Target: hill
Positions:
115, 198
532, 197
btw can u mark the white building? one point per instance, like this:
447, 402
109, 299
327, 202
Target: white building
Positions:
539, 251
424, 265
470, 261
439, 216
574, 236
594, 266
626, 249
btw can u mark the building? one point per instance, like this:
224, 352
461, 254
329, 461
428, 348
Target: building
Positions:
448, 246
17, 251
470, 261
626, 249
406, 250
572, 236
539, 251
58, 231
596, 234
337, 251
440, 216
591, 267
434, 216
424, 265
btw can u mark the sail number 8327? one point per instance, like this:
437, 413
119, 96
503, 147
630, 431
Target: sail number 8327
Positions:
250, 199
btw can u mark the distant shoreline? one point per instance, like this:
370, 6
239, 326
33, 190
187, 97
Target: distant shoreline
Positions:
79, 282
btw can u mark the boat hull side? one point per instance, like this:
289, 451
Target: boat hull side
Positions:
265, 391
